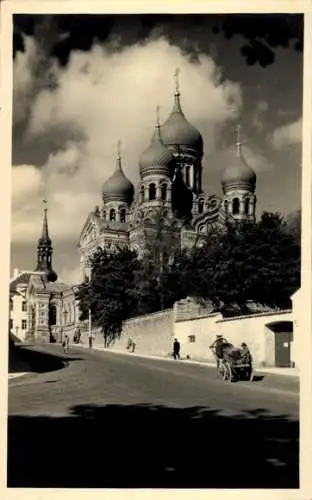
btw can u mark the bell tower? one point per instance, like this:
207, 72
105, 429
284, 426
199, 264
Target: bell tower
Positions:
44, 248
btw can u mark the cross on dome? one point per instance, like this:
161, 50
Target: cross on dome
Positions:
177, 83
157, 116
119, 150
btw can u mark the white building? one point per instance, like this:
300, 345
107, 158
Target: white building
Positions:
18, 318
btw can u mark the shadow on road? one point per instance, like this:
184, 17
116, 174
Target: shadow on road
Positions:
257, 378
143, 446
26, 358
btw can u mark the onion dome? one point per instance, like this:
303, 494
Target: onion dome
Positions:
239, 175
157, 159
177, 131
118, 187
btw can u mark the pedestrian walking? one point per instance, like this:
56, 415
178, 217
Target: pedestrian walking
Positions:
66, 344
176, 349
131, 344
77, 335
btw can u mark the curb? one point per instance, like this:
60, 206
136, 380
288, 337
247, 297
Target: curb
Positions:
273, 371
13, 376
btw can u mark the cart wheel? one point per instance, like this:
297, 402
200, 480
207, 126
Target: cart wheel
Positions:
229, 373
222, 371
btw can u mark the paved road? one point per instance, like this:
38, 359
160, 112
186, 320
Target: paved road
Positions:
108, 420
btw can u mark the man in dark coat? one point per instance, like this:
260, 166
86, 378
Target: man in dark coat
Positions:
176, 349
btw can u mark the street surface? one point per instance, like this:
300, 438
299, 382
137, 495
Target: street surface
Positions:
114, 421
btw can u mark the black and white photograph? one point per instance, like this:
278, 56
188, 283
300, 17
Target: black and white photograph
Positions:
155, 257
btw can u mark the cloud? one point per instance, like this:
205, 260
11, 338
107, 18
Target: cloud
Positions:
104, 96
258, 118
287, 135
71, 275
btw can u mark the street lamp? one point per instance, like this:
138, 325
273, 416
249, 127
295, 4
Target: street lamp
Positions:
65, 314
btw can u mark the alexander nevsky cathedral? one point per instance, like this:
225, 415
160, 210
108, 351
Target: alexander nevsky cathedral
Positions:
169, 193
170, 183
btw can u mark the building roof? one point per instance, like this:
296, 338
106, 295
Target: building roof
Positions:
20, 279
238, 174
118, 187
41, 283
157, 156
177, 131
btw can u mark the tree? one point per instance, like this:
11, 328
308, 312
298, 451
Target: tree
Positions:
258, 262
110, 293
161, 242
293, 225
263, 33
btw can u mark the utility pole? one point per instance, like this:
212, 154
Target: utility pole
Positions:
90, 328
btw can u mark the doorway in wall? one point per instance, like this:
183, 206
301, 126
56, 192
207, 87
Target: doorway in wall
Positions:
283, 337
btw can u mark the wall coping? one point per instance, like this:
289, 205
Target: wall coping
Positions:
154, 314
255, 315
194, 318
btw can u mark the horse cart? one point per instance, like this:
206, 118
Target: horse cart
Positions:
233, 364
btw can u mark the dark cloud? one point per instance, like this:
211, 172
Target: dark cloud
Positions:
261, 34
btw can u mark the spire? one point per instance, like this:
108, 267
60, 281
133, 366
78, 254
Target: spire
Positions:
177, 103
157, 116
157, 135
238, 140
45, 231
44, 248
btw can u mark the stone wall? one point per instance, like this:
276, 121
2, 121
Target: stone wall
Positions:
197, 335
196, 329
153, 333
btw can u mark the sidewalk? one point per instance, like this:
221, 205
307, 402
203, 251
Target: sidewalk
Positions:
290, 372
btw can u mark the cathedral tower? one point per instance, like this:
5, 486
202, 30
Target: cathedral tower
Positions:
239, 184
117, 193
157, 165
185, 142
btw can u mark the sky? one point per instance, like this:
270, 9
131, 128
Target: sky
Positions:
82, 83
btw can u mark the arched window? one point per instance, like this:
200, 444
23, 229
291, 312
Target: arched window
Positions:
142, 194
122, 215
152, 192
200, 206
235, 206
247, 205
112, 214
52, 315
164, 192
187, 175
226, 206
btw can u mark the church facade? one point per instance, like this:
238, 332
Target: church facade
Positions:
50, 305
170, 187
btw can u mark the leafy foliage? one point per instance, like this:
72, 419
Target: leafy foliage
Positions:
110, 293
258, 262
